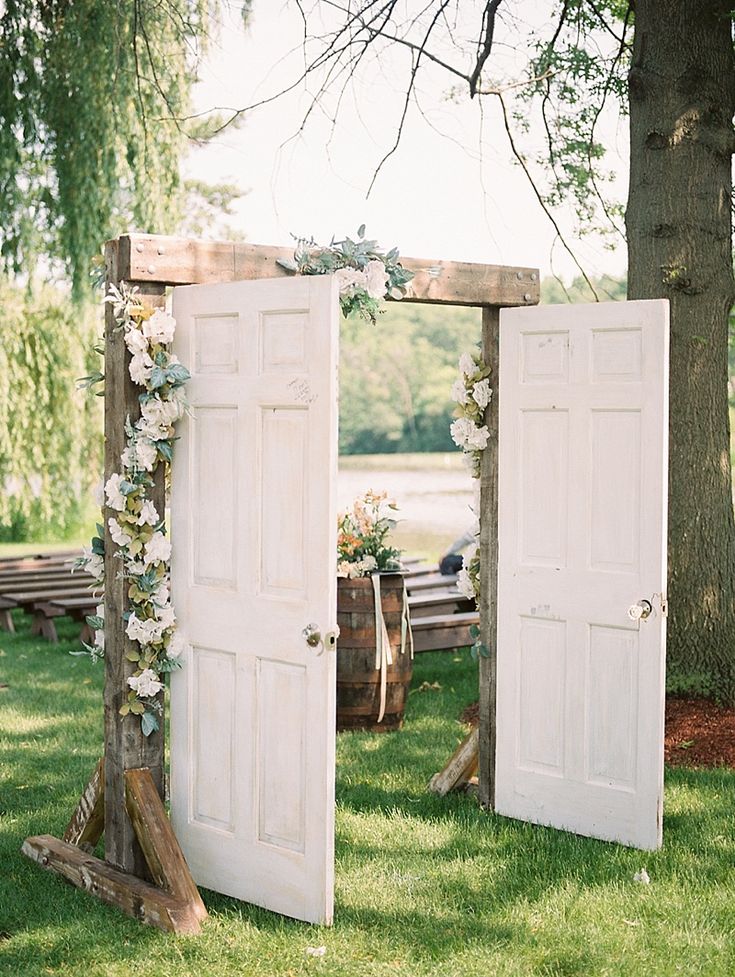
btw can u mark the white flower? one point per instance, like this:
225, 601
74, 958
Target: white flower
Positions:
146, 684
376, 279
347, 569
115, 498
481, 393
145, 632
349, 279
460, 431
643, 877
467, 365
464, 584
99, 640
118, 534
135, 568
477, 438
135, 340
175, 645
157, 549
157, 416
469, 554
165, 616
162, 594
160, 328
146, 454
148, 515
100, 611
94, 565
459, 392
140, 369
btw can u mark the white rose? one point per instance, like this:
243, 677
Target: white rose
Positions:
115, 498
461, 430
136, 341
94, 564
118, 534
459, 392
467, 365
481, 393
160, 328
146, 454
465, 585
349, 279
157, 549
144, 632
376, 279
140, 369
165, 616
146, 684
148, 515
477, 438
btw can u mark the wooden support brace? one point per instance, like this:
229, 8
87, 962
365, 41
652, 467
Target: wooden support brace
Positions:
141, 900
462, 765
88, 821
172, 904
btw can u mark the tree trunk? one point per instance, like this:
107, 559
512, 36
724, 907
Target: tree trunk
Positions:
682, 99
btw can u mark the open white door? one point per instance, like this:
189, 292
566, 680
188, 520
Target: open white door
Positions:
583, 479
254, 563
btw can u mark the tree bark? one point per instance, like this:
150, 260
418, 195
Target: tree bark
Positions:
682, 100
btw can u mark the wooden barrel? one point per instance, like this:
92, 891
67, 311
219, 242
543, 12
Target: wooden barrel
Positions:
358, 680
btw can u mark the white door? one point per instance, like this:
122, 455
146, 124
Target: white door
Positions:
582, 539
254, 563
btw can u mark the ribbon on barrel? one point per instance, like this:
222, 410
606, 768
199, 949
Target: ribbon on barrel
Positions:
383, 652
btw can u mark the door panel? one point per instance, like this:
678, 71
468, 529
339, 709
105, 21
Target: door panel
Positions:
582, 537
254, 562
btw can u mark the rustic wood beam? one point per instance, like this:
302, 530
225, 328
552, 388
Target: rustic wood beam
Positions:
141, 900
157, 839
460, 767
125, 745
147, 258
489, 564
88, 820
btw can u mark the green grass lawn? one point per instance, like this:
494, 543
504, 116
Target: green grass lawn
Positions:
425, 886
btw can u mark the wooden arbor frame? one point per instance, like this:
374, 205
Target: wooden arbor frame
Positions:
144, 872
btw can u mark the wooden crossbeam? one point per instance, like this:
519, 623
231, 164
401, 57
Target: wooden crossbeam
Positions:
148, 258
172, 902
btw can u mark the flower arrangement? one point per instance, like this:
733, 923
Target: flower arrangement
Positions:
136, 527
472, 394
362, 534
366, 275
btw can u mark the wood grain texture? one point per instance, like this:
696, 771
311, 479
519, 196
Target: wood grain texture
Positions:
461, 766
489, 564
147, 258
157, 839
144, 902
125, 746
88, 820
443, 632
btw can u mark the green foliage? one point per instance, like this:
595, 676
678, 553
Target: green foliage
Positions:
609, 289
89, 145
50, 432
396, 378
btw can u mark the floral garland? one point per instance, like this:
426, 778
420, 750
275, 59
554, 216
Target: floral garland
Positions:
366, 275
137, 528
472, 394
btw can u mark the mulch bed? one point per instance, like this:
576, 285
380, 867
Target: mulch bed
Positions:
699, 733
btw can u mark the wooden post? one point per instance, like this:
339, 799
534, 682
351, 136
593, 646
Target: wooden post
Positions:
126, 747
489, 565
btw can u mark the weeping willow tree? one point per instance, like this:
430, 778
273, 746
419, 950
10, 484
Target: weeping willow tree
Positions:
89, 145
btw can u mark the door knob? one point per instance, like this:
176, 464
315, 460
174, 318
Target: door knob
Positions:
312, 635
640, 611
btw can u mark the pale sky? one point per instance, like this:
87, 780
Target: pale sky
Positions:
450, 191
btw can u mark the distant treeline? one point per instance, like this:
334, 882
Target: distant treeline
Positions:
395, 377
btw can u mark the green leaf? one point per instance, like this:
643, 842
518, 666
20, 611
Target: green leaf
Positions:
137, 707
361, 230
148, 723
157, 378
177, 374
95, 622
474, 631
165, 449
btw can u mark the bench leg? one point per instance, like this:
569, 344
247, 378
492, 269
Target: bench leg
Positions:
44, 627
6, 621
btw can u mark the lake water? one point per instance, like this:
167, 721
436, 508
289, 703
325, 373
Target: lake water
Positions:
434, 495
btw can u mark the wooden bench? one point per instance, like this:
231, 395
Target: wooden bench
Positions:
432, 603
444, 632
